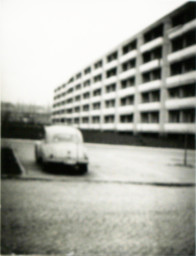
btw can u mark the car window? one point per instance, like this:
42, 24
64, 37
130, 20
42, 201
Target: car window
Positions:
63, 137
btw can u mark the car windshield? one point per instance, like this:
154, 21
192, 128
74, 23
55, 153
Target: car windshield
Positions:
62, 137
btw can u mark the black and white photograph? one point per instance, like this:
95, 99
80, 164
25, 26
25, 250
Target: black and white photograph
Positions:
98, 127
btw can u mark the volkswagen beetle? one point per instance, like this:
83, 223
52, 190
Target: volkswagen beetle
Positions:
62, 144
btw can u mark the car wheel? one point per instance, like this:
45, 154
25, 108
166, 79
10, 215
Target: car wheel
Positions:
37, 158
83, 168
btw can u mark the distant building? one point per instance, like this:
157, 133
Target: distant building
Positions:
144, 85
25, 113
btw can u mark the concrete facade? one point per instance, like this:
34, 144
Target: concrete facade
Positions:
144, 85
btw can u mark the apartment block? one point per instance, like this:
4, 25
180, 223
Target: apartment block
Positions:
144, 85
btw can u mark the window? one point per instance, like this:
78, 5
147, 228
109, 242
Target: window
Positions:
109, 119
184, 91
70, 90
87, 70
69, 120
78, 86
188, 116
109, 103
71, 80
126, 118
86, 95
153, 96
110, 88
111, 72
85, 120
78, 75
154, 33
128, 65
182, 116
98, 64
77, 98
77, 109
69, 110
152, 55
112, 56
96, 119
76, 120
150, 117
69, 100
152, 75
128, 100
97, 92
129, 47
97, 105
87, 83
97, 78
174, 116
183, 66
85, 108
185, 15
184, 41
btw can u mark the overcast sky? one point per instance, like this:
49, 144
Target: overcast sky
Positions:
45, 42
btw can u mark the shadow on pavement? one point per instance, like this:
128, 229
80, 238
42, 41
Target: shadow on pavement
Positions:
9, 164
62, 169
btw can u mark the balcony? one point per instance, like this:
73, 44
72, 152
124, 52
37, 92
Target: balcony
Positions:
180, 30
68, 105
126, 109
96, 85
70, 115
130, 55
152, 44
179, 128
111, 64
84, 126
181, 79
127, 73
107, 111
110, 126
148, 127
151, 106
95, 126
95, 98
84, 101
184, 53
110, 95
125, 127
97, 71
86, 77
84, 113
126, 91
95, 112
150, 65
181, 103
156, 84
110, 80
85, 89
76, 115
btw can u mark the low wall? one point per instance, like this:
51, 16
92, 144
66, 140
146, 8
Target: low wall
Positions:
144, 139
32, 131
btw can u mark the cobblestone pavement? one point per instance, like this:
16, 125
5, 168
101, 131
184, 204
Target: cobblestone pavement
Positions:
105, 212
82, 218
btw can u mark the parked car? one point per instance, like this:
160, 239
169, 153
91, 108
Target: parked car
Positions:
62, 144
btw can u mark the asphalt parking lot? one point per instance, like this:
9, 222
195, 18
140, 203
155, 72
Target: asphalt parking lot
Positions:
133, 201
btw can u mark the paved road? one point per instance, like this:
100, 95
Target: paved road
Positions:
100, 213
119, 163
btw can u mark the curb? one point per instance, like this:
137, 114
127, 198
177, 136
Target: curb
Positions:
23, 171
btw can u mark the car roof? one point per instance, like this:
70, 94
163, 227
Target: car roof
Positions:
53, 129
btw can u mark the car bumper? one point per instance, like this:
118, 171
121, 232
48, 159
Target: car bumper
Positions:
71, 162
